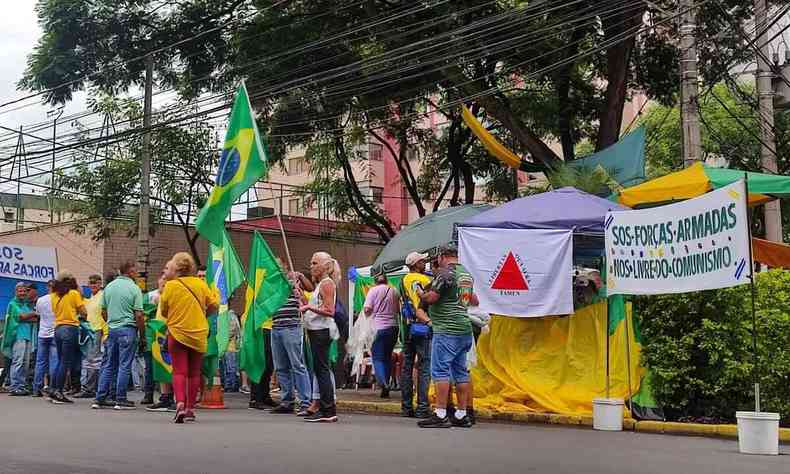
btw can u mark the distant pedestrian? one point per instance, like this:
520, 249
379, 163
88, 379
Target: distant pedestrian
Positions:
229, 364
185, 302
69, 309
319, 312
46, 350
122, 308
383, 305
416, 338
19, 336
92, 359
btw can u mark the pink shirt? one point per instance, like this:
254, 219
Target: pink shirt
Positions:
384, 300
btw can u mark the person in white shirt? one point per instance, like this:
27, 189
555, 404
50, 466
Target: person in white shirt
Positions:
47, 354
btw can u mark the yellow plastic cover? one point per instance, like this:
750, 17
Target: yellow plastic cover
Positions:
497, 149
685, 184
554, 364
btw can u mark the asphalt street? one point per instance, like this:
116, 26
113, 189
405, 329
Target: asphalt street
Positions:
37, 437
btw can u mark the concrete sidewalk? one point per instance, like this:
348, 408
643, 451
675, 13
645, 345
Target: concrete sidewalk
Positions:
367, 401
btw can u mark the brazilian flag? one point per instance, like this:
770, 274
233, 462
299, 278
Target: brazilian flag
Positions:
224, 275
156, 332
267, 291
242, 163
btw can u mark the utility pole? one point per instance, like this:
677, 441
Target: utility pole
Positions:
689, 88
765, 93
57, 113
143, 229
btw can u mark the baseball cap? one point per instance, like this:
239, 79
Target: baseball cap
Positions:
448, 249
415, 257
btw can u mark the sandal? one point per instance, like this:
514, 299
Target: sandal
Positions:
180, 414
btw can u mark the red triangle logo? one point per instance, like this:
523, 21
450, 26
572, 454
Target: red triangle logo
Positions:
510, 276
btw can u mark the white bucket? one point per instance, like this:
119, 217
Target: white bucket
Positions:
608, 414
758, 433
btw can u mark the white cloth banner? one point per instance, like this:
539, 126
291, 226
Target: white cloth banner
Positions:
699, 244
519, 273
28, 263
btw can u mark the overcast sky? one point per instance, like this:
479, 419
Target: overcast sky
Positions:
18, 35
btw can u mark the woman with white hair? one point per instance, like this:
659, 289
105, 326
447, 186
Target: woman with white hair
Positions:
319, 312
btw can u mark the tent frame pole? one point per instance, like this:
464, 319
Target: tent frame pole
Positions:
606, 335
755, 374
628, 361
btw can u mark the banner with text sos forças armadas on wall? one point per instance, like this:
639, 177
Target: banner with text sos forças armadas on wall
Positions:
699, 244
28, 263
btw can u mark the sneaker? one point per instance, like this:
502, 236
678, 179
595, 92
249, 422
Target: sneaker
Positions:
147, 400
321, 418
464, 422
472, 418
63, 398
161, 406
124, 405
85, 394
422, 415
19, 393
269, 402
99, 404
245, 390
257, 406
304, 413
282, 410
38, 394
407, 413
434, 422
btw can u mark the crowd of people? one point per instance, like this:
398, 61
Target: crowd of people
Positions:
88, 347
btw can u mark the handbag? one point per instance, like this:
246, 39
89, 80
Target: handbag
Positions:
416, 328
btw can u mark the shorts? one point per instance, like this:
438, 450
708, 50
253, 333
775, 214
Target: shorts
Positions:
448, 358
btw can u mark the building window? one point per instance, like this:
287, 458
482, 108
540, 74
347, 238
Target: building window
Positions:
297, 165
8, 216
378, 194
293, 207
375, 152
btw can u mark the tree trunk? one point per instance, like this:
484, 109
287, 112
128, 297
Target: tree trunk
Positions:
404, 168
618, 57
498, 108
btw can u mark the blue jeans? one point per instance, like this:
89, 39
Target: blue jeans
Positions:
381, 351
448, 358
416, 348
19, 364
46, 362
289, 365
67, 342
230, 371
116, 366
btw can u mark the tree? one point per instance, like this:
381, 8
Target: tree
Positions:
730, 136
107, 192
537, 72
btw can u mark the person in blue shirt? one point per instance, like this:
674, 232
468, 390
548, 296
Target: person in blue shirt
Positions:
21, 310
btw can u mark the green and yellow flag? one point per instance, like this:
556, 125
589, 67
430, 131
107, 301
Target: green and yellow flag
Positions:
156, 332
267, 291
242, 163
224, 274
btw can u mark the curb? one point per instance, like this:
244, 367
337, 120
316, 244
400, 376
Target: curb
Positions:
629, 424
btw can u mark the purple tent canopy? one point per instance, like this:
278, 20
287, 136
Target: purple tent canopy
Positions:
565, 208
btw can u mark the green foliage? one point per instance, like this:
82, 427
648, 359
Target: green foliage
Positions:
699, 348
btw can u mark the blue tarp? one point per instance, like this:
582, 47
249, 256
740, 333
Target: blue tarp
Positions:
624, 161
565, 208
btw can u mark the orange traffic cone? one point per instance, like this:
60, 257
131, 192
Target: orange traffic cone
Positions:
212, 397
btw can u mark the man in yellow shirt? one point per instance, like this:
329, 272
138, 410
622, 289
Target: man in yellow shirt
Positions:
91, 361
416, 338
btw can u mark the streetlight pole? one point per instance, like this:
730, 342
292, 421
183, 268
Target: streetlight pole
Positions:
144, 224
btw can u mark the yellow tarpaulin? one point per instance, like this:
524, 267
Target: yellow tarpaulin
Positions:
686, 184
553, 364
497, 149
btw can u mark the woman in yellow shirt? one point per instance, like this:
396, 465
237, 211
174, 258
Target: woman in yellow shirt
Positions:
184, 303
69, 308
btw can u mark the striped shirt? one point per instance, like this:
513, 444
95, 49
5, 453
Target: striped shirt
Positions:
288, 315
